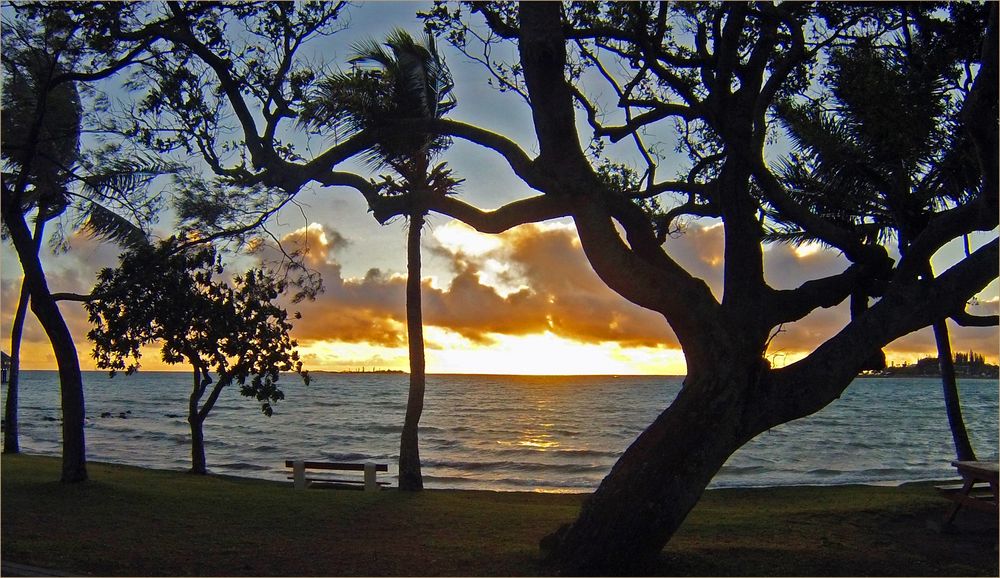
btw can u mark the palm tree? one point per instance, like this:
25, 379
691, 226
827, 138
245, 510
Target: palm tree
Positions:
882, 166
395, 81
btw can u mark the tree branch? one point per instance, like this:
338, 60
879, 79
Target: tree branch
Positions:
966, 319
904, 309
77, 297
185, 37
791, 305
530, 210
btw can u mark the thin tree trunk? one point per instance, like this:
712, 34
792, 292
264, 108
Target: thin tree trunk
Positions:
11, 437
198, 462
11, 442
196, 421
949, 385
45, 308
410, 477
952, 405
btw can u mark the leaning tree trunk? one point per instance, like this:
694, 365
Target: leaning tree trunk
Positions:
410, 477
952, 405
657, 481
11, 443
45, 308
11, 437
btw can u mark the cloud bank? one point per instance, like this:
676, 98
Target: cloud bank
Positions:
482, 291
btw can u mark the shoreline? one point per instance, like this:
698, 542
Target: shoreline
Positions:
401, 372
567, 491
132, 521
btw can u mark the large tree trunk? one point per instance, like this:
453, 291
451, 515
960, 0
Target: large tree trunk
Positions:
643, 501
11, 442
45, 308
952, 405
74, 462
410, 477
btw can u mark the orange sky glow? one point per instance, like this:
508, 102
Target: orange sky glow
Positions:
524, 302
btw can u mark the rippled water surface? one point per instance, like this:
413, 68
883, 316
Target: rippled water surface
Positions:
505, 432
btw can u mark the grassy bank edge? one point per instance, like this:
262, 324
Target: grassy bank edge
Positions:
136, 521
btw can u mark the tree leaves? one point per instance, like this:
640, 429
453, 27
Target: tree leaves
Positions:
169, 295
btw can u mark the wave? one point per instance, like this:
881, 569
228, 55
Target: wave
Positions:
742, 470
567, 453
508, 483
240, 466
478, 466
352, 457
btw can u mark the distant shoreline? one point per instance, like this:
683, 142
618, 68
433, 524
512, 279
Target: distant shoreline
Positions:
608, 375
906, 376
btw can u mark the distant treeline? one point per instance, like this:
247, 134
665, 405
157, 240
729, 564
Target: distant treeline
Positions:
969, 364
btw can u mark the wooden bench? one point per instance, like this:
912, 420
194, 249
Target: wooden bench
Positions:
304, 475
967, 494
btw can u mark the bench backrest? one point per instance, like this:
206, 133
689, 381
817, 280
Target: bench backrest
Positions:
337, 466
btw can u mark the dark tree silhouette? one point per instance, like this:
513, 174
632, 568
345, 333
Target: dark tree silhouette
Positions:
168, 295
882, 166
47, 177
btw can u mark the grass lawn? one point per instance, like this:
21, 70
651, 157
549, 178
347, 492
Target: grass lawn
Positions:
133, 521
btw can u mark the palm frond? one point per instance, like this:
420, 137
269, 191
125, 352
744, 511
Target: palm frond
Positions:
121, 179
791, 237
396, 80
103, 223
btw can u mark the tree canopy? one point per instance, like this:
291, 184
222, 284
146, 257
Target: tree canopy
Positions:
168, 295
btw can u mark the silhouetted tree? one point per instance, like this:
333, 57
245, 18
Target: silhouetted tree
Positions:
408, 81
882, 165
168, 295
46, 177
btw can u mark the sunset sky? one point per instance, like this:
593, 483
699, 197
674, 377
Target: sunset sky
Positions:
524, 302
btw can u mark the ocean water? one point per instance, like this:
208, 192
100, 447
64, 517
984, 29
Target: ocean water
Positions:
504, 432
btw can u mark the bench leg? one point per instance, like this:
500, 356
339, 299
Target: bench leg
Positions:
959, 499
370, 484
299, 474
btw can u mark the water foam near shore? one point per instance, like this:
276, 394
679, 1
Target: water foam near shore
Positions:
505, 432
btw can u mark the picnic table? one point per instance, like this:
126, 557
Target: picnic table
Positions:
973, 473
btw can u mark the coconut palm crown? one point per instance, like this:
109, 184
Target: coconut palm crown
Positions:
392, 81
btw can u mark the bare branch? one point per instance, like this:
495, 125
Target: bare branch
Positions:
76, 297
791, 305
966, 319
